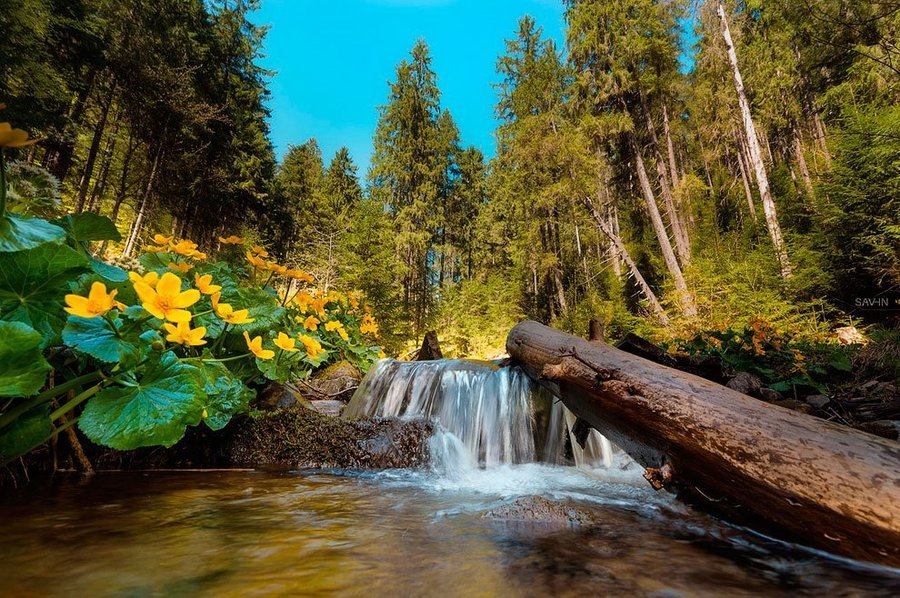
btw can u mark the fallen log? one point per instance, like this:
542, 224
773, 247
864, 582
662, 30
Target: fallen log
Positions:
792, 475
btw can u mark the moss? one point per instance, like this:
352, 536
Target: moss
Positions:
300, 438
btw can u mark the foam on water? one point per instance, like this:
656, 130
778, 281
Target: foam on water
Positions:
489, 420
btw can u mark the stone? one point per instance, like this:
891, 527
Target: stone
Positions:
817, 401
769, 395
541, 511
794, 405
745, 383
330, 407
337, 381
850, 335
886, 428
275, 395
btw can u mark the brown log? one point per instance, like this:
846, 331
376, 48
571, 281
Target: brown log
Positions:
792, 475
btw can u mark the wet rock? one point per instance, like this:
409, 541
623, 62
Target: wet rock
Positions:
279, 396
331, 407
769, 395
541, 511
336, 382
745, 383
305, 439
817, 401
886, 428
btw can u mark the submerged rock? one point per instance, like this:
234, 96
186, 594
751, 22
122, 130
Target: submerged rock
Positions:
305, 439
542, 511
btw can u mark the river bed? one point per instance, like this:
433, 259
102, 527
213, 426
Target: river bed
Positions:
410, 533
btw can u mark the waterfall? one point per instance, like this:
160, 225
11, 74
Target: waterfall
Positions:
487, 415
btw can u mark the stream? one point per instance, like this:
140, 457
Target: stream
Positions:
407, 532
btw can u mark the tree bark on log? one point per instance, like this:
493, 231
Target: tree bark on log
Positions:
431, 348
792, 475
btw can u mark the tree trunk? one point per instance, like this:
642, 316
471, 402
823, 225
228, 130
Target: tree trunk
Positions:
804, 171
684, 298
670, 146
648, 293
94, 149
430, 349
762, 180
745, 177
139, 219
682, 244
820, 137
786, 473
105, 164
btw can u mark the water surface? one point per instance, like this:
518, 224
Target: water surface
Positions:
386, 534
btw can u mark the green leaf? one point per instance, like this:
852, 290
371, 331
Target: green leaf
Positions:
33, 284
97, 338
18, 233
226, 395
29, 430
263, 307
23, 369
88, 226
155, 410
108, 271
275, 368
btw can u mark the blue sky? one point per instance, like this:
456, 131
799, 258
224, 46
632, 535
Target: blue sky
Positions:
333, 60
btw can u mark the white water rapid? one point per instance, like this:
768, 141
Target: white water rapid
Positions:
487, 415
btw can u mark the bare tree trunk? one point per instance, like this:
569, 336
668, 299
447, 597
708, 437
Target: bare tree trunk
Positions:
622, 251
821, 138
682, 244
745, 174
762, 180
804, 170
94, 148
671, 147
613, 215
684, 298
105, 164
139, 219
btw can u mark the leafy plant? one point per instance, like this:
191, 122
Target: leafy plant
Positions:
135, 357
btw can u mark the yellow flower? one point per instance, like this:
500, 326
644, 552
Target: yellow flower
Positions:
381, 355
303, 299
156, 248
299, 275
186, 248
312, 323
10, 137
149, 279
277, 268
257, 262
167, 301
199, 255
97, 303
227, 313
333, 325
182, 267
255, 346
343, 334
285, 343
354, 302
369, 326
232, 240
204, 284
205, 414
260, 251
318, 306
163, 240
183, 334
313, 347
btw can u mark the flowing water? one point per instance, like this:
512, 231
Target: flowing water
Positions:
404, 532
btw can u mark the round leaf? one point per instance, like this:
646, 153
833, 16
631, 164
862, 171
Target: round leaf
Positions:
95, 337
28, 431
154, 411
18, 233
88, 226
33, 284
23, 369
